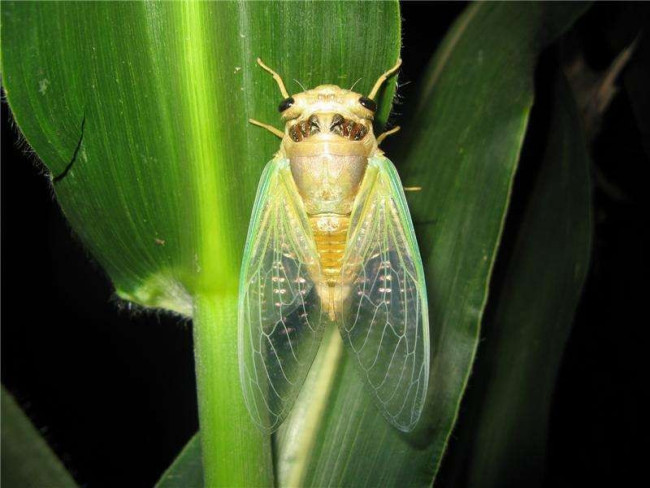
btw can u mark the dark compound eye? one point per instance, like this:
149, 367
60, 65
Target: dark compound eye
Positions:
368, 103
285, 104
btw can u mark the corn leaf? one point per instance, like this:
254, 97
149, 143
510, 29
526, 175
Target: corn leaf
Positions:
462, 148
139, 110
502, 438
27, 460
186, 470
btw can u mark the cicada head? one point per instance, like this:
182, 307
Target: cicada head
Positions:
327, 139
328, 110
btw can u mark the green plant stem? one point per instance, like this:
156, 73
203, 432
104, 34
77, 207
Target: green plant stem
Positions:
235, 452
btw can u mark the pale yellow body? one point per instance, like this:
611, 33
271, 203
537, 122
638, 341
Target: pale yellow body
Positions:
328, 166
331, 242
328, 169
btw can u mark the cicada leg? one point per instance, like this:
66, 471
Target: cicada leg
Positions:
270, 128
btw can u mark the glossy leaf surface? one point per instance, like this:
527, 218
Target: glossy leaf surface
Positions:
463, 149
502, 437
140, 110
27, 460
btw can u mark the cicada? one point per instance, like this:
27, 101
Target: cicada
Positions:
331, 241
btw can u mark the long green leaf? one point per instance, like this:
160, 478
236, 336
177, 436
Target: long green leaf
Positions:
140, 111
186, 470
150, 103
27, 460
463, 150
502, 441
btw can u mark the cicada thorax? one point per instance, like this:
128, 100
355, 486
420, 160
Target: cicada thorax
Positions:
328, 155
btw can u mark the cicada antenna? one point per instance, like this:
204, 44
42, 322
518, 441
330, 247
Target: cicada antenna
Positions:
383, 78
276, 77
355, 84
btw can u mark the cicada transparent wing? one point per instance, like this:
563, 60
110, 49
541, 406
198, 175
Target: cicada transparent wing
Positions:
384, 319
280, 317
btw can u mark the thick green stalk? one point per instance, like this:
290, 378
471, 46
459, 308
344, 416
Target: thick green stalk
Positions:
235, 452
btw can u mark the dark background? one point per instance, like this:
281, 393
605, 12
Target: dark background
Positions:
113, 389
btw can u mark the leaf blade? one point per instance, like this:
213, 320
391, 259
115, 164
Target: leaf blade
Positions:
453, 196
186, 470
502, 442
159, 192
166, 173
27, 460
